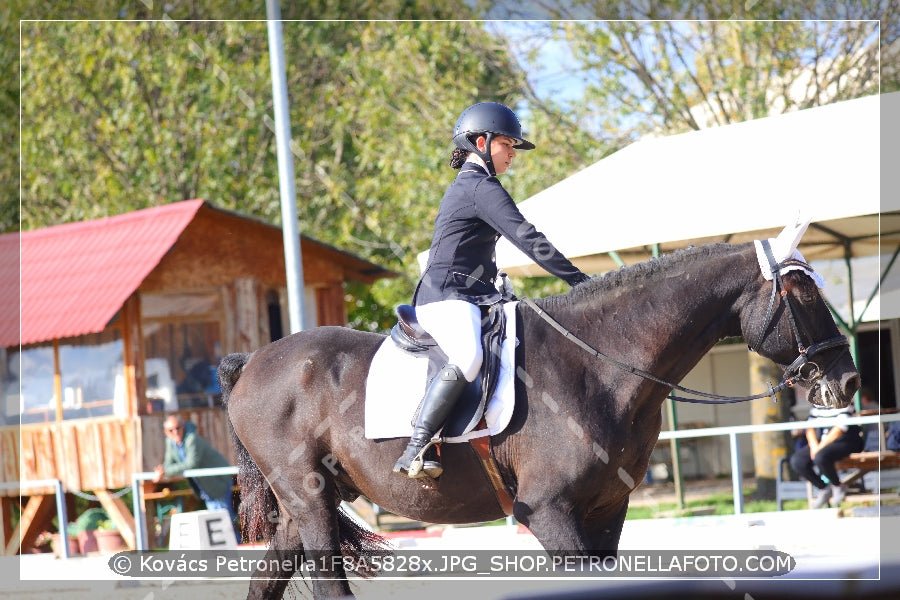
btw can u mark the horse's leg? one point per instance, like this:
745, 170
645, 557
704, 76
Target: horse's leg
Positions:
267, 584
554, 524
604, 533
308, 496
563, 532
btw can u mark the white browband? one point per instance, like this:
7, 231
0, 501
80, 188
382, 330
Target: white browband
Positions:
784, 247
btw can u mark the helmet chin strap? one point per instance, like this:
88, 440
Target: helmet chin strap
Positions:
486, 156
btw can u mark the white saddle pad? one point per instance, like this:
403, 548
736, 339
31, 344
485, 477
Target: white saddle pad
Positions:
396, 384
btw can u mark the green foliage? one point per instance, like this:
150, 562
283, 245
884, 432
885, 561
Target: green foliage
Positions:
107, 525
89, 520
119, 116
125, 112
665, 77
716, 504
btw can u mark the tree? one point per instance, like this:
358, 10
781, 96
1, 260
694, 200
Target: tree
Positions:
172, 13
837, 14
119, 116
662, 77
666, 77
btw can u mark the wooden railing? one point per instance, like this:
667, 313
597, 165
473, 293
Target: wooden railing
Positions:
97, 453
92, 456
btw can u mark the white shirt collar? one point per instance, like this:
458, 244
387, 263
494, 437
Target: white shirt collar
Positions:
476, 160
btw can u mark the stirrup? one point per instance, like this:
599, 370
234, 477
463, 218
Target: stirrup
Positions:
417, 467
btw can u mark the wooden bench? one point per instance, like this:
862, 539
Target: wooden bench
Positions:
860, 463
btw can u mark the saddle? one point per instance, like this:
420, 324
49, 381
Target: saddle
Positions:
408, 334
411, 337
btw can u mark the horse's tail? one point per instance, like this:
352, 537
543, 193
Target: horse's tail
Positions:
229, 371
258, 511
258, 506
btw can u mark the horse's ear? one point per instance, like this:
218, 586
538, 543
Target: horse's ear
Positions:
784, 247
787, 241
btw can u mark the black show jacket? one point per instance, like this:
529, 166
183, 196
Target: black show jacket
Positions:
474, 213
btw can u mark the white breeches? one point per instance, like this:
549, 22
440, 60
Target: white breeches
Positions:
456, 326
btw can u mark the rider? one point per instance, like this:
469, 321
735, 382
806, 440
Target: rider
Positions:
459, 277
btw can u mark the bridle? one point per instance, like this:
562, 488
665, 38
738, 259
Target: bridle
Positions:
802, 369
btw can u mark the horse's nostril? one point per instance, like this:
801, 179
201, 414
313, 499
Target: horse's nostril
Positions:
851, 383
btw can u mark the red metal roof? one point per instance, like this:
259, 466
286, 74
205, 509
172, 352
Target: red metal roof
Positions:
76, 277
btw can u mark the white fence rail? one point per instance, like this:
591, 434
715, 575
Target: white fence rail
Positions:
60, 505
735, 444
140, 517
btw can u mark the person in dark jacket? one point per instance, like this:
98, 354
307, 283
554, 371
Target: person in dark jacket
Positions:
460, 275
814, 461
185, 449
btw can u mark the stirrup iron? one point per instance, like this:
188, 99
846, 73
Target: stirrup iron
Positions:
417, 464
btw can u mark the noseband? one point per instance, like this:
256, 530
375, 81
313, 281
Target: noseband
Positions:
802, 369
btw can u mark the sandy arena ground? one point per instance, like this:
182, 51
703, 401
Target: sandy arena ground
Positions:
836, 556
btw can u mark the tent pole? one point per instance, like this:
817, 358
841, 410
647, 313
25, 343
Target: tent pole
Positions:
616, 258
884, 275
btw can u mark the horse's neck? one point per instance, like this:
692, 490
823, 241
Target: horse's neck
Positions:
666, 323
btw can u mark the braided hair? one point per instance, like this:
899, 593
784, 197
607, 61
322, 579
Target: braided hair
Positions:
458, 158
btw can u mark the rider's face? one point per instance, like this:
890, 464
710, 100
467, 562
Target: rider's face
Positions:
502, 152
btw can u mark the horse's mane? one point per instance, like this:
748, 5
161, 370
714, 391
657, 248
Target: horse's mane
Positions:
640, 273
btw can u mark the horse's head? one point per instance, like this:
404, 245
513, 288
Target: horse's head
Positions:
788, 321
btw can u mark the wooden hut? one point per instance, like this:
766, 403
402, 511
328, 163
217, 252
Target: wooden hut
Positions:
122, 321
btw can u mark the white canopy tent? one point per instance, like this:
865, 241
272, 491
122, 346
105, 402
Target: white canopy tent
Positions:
737, 183
733, 183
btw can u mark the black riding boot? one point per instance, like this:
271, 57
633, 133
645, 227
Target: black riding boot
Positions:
442, 394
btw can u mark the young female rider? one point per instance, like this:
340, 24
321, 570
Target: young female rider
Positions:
459, 277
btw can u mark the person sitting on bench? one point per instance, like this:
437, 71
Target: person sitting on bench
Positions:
814, 461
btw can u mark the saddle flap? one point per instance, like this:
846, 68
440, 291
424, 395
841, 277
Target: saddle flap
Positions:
397, 380
408, 335
470, 407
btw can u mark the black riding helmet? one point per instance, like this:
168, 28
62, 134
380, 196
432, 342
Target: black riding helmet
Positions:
488, 119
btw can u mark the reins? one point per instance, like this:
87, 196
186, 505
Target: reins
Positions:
792, 373
711, 398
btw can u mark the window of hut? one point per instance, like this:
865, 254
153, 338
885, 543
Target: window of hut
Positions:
182, 348
91, 374
28, 385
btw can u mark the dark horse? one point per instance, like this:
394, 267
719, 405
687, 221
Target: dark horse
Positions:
582, 432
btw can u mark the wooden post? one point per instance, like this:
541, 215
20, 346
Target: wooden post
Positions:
35, 516
229, 335
771, 446
6, 526
246, 308
133, 344
119, 513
